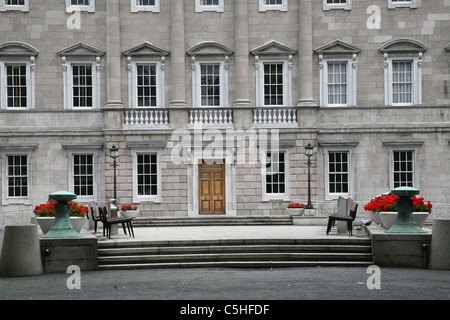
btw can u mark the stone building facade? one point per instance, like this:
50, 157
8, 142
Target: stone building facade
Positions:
211, 103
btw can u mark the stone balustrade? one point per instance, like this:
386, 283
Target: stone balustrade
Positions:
284, 117
211, 117
149, 117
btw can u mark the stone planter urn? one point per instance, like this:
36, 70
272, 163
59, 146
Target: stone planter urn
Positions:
387, 219
46, 223
129, 213
295, 211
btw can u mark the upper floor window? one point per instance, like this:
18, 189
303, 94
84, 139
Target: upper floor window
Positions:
403, 4
81, 76
210, 74
337, 4
80, 5
403, 59
19, 5
280, 5
146, 66
17, 75
273, 63
337, 65
145, 5
209, 5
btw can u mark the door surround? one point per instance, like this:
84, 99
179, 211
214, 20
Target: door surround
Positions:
230, 182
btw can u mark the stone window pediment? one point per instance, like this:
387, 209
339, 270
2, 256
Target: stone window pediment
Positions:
146, 49
337, 47
402, 46
81, 49
273, 48
18, 48
209, 48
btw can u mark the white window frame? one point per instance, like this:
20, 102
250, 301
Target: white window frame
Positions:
351, 82
335, 6
144, 8
71, 181
6, 199
287, 82
268, 7
132, 83
416, 97
30, 76
24, 7
196, 83
335, 195
199, 7
287, 184
68, 84
72, 8
413, 4
414, 162
134, 156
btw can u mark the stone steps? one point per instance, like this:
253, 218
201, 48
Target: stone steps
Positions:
211, 220
255, 253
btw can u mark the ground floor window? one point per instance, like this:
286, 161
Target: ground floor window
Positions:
83, 174
17, 176
146, 175
275, 175
403, 168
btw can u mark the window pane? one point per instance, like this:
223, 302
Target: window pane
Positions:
147, 174
82, 85
210, 85
338, 175
17, 176
402, 82
403, 169
275, 173
273, 84
146, 85
16, 86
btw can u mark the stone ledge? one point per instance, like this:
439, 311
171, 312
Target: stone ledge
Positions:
399, 249
65, 252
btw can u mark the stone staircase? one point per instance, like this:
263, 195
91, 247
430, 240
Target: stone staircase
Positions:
212, 221
244, 253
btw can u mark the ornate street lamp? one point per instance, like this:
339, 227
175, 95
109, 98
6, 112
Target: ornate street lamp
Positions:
114, 154
309, 151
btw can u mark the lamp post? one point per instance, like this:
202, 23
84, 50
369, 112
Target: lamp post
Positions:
114, 154
309, 151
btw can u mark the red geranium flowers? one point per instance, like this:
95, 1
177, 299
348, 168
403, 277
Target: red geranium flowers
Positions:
48, 210
388, 203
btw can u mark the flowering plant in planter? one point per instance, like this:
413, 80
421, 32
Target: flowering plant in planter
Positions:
388, 203
296, 205
127, 207
48, 209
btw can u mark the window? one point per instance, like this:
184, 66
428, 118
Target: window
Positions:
337, 4
338, 85
403, 85
19, 5
273, 83
146, 175
145, 5
82, 86
83, 174
392, 4
80, 5
338, 172
266, 5
337, 67
210, 85
209, 5
275, 174
403, 168
16, 85
17, 176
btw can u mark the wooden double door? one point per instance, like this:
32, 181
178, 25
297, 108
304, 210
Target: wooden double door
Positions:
212, 188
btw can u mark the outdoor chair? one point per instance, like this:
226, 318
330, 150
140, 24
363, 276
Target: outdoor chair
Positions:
108, 222
94, 218
351, 208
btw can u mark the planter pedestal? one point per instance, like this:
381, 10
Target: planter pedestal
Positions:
62, 228
405, 222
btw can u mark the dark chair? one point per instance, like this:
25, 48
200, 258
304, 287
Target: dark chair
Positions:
351, 208
94, 218
108, 222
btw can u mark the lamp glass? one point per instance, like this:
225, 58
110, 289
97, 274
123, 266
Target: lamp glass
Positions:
309, 150
114, 152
